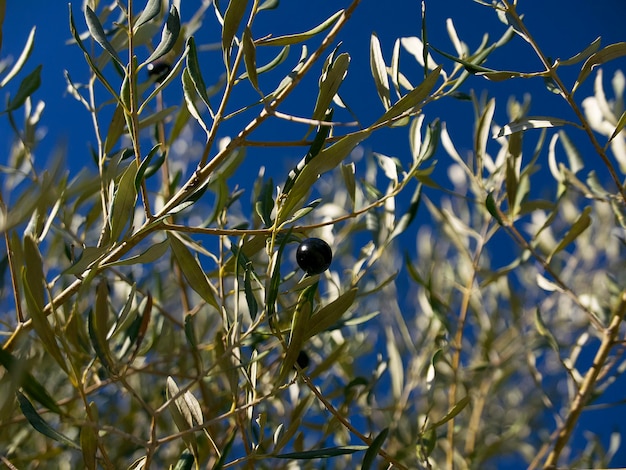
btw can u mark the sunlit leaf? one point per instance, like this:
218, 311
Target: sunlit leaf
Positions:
232, 19
608, 53
534, 122
330, 314
300, 37
169, 36
192, 270
579, 226
124, 201
249, 56
333, 74
584, 54
152, 9
379, 71
97, 32
21, 60
461, 404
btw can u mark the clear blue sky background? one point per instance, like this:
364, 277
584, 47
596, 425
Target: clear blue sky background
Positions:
562, 27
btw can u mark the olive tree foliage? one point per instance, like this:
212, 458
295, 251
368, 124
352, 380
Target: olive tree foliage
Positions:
154, 315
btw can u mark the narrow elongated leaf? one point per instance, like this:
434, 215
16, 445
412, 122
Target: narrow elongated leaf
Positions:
372, 451
97, 32
89, 446
410, 214
189, 92
608, 53
98, 327
29, 384
584, 54
150, 255
265, 203
185, 461
152, 9
579, 226
413, 98
299, 330
27, 87
619, 126
492, 208
379, 71
21, 60
534, 122
271, 65
192, 270
195, 73
543, 330
40, 425
124, 201
333, 75
331, 313
181, 414
169, 36
326, 453
249, 56
232, 19
300, 37
325, 161
456, 409
483, 128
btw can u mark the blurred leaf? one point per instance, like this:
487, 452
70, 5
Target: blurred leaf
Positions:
348, 172
372, 451
232, 19
543, 330
168, 36
331, 313
192, 270
186, 461
579, 226
300, 37
33, 281
97, 32
253, 306
299, 330
268, 5
89, 446
492, 208
98, 327
116, 129
27, 87
21, 60
152, 9
124, 201
40, 425
608, 53
272, 285
379, 71
481, 137
326, 453
29, 384
181, 414
535, 122
462, 403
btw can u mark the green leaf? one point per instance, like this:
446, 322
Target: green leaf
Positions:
483, 127
534, 122
185, 461
27, 87
579, 226
300, 37
89, 446
372, 451
610, 52
97, 32
29, 384
412, 99
249, 57
273, 283
590, 49
192, 270
268, 5
379, 71
98, 327
21, 61
181, 414
152, 9
348, 172
168, 36
456, 409
325, 161
299, 330
143, 167
410, 214
189, 92
40, 425
543, 330
271, 65
265, 203
619, 126
195, 73
124, 201
492, 208
151, 254
331, 313
326, 453
333, 75
232, 19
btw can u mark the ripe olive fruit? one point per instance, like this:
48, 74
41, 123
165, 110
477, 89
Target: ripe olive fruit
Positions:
158, 70
314, 256
303, 360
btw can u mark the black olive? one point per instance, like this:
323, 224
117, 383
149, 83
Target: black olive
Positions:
303, 360
158, 70
314, 256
